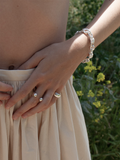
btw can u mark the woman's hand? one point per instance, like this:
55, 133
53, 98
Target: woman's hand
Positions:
55, 64
4, 88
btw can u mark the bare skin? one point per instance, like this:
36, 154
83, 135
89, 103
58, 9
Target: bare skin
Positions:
57, 61
29, 26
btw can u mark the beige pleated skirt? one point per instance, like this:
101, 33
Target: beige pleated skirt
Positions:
58, 133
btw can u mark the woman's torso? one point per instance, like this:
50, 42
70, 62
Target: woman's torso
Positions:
29, 26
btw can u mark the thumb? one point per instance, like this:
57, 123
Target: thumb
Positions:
32, 62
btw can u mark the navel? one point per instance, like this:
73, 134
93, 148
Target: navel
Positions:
11, 67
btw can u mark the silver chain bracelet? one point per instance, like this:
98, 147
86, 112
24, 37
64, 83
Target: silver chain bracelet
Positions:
88, 33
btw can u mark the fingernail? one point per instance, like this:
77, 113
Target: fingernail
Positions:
7, 106
15, 117
24, 116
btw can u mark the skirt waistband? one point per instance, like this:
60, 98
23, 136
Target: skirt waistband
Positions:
19, 75
15, 75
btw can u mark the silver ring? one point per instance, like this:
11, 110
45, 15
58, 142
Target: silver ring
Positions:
57, 95
41, 99
35, 94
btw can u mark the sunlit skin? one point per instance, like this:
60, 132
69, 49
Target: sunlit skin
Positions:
33, 35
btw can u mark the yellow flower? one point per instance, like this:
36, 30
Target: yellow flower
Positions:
100, 93
104, 107
106, 92
89, 67
94, 68
89, 63
99, 68
108, 82
73, 77
91, 94
101, 116
97, 120
79, 93
100, 77
95, 98
102, 111
97, 104
118, 59
101, 90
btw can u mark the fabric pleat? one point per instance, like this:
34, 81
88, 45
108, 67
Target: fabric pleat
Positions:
58, 133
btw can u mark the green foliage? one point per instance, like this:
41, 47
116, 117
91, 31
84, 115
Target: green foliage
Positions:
97, 84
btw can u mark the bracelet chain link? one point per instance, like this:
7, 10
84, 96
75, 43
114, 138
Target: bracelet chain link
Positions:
88, 33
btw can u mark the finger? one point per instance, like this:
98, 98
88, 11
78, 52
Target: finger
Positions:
33, 61
53, 100
41, 106
4, 96
5, 87
23, 92
32, 102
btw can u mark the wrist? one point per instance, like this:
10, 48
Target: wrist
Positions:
79, 47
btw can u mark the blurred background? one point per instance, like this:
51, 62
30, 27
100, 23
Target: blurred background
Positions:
97, 84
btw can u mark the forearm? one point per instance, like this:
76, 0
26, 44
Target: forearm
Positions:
104, 24
106, 21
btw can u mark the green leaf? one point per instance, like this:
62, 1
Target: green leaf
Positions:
86, 109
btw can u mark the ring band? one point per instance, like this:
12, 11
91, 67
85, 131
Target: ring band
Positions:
41, 99
57, 95
35, 94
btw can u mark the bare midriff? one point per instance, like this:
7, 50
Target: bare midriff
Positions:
28, 26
